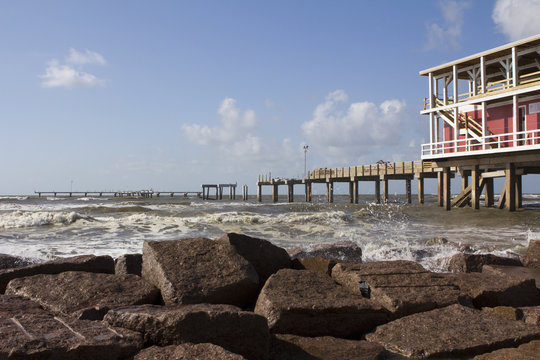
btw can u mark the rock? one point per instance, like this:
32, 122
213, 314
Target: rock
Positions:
528, 351
316, 263
240, 332
532, 257
310, 303
187, 352
199, 270
128, 264
455, 331
84, 295
262, 254
507, 312
29, 332
520, 272
531, 315
10, 262
341, 251
436, 241
402, 287
475, 262
488, 290
89, 263
289, 347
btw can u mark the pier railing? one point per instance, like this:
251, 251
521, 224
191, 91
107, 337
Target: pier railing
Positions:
380, 169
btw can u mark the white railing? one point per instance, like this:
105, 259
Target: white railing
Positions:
493, 143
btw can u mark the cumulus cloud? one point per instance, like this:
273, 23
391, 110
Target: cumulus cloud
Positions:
86, 57
448, 31
232, 129
57, 75
517, 19
69, 76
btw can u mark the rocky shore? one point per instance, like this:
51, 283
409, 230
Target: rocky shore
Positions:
238, 297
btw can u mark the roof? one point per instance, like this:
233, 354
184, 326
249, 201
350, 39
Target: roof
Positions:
488, 54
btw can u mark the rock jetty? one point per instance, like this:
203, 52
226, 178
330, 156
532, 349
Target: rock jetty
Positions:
239, 297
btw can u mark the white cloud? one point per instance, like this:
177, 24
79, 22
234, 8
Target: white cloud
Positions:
344, 133
517, 19
86, 57
57, 75
448, 31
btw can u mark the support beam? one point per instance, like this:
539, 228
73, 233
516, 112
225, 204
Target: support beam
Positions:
355, 191
259, 192
464, 181
420, 190
408, 190
385, 190
290, 192
377, 191
440, 186
446, 188
351, 192
308, 191
510, 186
275, 193
475, 193
519, 194
488, 192
330, 191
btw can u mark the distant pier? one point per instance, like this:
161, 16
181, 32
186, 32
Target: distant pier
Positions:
137, 194
218, 189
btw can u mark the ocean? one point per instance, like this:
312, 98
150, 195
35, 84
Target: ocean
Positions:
51, 227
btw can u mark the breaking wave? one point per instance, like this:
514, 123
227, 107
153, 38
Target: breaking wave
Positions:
21, 219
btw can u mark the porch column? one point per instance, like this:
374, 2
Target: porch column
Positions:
515, 78
430, 87
484, 124
515, 115
483, 74
475, 196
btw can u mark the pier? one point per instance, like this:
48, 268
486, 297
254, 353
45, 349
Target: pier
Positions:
219, 189
129, 193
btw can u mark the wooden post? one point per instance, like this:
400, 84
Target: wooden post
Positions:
408, 190
290, 192
475, 193
510, 187
446, 188
355, 191
440, 185
488, 192
259, 192
420, 190
377, 191
275, 192
464, 180
351, 192
385, 190
519, 194
330, 191
308, 191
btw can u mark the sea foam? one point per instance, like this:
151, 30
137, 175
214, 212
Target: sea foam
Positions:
22, 219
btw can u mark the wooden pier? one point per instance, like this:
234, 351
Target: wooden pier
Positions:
129, 193
219, 189
480, 169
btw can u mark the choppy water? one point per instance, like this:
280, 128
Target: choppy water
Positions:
46, 228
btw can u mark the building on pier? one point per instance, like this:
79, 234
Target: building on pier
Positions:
484, 120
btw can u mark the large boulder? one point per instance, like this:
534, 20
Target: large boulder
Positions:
528, 351
187, 351
474, 262
240, 332
341, 251
402, 287
288, 347
530, 315
29, 332
128, 264
10, 262
84, 295
89, 263
199, 270
266, 257
520, 272
489, 290
532, 257
316, 263
310, 303
453, 331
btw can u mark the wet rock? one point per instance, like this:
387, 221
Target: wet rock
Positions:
89, 263
310, 303
240, 332
532, 257
531, 315
520, 272
487, 290
84, 295
528, 351
474, 262
316, 263
454, 331
187, 352
262, 254
341, 251
128, 264
436, 241
199, 270
507, 312
289, 347
402, 287
10, 262
29, 332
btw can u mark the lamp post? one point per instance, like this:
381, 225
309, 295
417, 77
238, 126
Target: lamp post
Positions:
306, 147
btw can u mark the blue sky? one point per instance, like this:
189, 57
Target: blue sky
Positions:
167, 95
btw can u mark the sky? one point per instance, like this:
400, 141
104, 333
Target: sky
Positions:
167, 95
